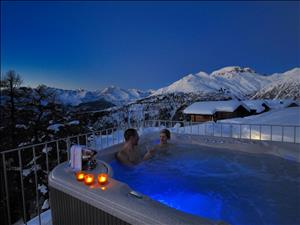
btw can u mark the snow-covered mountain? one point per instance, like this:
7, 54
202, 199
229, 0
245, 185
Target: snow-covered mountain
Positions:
239, 81
200, 82
119, 96
233, 81
113, 94
285, 85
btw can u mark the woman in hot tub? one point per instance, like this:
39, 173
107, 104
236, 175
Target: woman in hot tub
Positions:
162, 147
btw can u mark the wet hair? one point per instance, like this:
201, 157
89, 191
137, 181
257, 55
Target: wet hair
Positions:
166, 132
130, 133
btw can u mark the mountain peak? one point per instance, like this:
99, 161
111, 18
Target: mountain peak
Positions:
110, 89
80, 90
232, 69
188, 77
295, 71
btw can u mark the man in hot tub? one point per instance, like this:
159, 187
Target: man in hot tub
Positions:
162, 147
129, 154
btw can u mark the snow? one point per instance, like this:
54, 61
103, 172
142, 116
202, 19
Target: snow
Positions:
45, 205
285, 85
46, 150
32, 161
43, 189
189, 84
46, 219
26, 172
233, 81
98, 142
119, 96
74, 122
256, 105
210, 107
113, 94
55, 127
238, 82
278, 103
21, 126
231, 69
23, 144
285, 116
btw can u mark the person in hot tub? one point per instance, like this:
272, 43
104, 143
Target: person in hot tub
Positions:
162, 147
129, 154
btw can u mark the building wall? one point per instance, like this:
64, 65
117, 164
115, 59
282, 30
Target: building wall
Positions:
293, 105
201, 118
239, 112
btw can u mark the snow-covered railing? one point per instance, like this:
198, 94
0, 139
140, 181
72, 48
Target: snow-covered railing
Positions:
30, 165
262, 132
26, 169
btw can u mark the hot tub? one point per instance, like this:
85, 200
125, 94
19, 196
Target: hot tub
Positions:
222, 179
202, 180
72, 202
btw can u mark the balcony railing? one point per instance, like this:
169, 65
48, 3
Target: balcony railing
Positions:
262, 132
39, 159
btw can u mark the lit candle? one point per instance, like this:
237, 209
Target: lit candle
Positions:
80, 176
89, 179
102, 178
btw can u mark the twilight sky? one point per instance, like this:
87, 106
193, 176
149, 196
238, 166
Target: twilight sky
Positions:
144, 45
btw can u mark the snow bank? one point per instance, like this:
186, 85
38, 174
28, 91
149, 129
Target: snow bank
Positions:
46, 219
285, 116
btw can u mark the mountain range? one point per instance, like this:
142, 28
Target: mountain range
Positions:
238, 82
233, 82
112, 94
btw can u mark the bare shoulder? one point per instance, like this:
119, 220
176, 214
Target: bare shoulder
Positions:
122, 155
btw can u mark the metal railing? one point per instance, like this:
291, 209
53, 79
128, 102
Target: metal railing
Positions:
40, 159
260, 132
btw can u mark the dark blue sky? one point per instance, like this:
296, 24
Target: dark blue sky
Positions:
144, 44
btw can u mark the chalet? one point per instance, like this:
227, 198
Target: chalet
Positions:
216, 110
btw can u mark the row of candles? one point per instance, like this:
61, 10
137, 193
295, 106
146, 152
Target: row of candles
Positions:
89, 179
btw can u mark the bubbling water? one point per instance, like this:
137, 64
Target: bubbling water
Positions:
239, 188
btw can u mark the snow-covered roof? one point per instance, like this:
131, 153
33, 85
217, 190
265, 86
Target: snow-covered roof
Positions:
255, 105
279, 103
210, 107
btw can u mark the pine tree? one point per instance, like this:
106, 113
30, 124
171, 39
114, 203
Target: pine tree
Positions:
10, 84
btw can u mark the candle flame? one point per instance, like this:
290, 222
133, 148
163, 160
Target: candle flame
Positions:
80, 176
102, 178
89, 179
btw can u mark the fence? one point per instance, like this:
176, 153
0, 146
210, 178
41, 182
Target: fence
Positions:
26, 169
266, 132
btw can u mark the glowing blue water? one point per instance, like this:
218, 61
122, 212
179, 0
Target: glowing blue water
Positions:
238, 188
